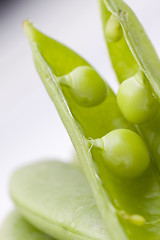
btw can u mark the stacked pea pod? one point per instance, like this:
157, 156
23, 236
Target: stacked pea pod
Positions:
116, 192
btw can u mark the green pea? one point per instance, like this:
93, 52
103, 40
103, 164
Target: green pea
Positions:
136, 101
87, 87
113, 30
124, 153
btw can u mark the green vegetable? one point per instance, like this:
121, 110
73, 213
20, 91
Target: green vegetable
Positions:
17, 228
113, 30
124, 153
82, 125
134, 56
115, 197
120, 159
136, 101
56, 198
135, 50
87, 87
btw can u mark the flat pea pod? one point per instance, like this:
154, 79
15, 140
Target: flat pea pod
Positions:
115, 197
134, 53
56, 198
16, 227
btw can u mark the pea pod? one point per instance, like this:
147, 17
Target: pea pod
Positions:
138, 42
132, 54
122, 59
56, 198
16, 228
130, 209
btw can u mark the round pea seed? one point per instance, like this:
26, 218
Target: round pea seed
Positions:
125, 153
136, 101
113, 30
87, 87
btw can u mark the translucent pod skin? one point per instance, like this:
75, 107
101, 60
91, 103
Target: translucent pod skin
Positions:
136, 101
125, 153
113, 30
87, 88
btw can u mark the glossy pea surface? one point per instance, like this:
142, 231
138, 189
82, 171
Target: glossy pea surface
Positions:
113, 29
88, 88
136, 101
125, 154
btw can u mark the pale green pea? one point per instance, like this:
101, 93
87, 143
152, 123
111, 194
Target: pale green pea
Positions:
124, 153
87, 87
113, 30
136, 101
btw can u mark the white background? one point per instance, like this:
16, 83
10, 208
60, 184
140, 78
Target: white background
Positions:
30, 128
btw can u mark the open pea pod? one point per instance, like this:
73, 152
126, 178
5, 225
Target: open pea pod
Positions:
16, 227
122, 59
133, 52
56, 198
133, 41
127, 192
